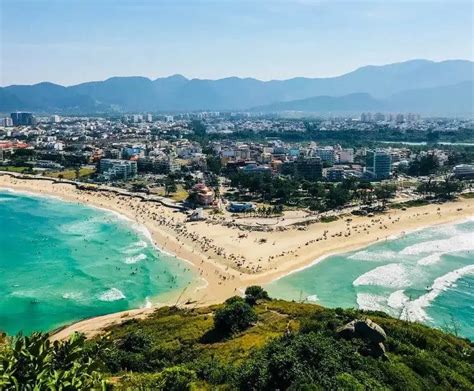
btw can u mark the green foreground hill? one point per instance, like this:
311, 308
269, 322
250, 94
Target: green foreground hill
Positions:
257, 344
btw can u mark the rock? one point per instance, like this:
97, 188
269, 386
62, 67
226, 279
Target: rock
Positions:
348, 330
365, 329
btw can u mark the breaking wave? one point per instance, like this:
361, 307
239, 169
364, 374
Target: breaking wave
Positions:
135, 259
460, 242
367, 255
112, 294
393, 275
415, 310
368, 301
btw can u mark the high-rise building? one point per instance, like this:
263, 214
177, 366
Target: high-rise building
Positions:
310, 168
379, 163
55, 119
7, 121
379, 117
23, 118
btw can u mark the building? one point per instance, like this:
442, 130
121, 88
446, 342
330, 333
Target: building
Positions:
23, 119
379, 164
464, 171
335, 174
241, 207
327, 155
117, 169
55, 119
310, 168
346, 155
7, 122
202, 194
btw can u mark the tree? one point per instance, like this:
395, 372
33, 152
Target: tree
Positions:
234, 317
214, 164
385, 192
170, 185
447, 188
254, 293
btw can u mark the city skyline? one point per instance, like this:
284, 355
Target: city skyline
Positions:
82, 41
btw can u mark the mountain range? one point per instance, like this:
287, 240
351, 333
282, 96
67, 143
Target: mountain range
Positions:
422, 86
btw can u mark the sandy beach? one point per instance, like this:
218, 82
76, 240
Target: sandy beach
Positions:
230, 256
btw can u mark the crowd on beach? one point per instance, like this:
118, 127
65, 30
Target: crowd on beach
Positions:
224, 250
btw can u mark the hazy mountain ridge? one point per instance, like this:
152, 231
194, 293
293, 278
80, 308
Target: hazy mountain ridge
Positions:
177, 93
452, 100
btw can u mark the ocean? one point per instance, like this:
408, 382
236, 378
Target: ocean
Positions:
61, 262
425, 276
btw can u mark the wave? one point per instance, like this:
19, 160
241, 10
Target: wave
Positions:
462, 242
368, 301
135, 259
430, 259
138, 246
415, 310
148, 303
393, 275
368, 255
312, 298
397, 299
72, 295
112, 294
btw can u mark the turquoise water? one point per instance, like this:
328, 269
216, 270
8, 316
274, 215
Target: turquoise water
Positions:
425, 276
61, 262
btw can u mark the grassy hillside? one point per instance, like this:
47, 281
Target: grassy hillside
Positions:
286, 345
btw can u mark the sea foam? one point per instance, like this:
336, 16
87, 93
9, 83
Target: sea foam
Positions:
393, 275
461, 242
368, 301
397, 299
112, 294
367, 255
135, 258
415, 310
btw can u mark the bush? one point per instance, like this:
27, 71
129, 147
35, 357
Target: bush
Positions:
254, 293
176, 378
34, 362
234, 317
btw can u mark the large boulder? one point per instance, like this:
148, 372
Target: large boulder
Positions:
365, 329
370, 332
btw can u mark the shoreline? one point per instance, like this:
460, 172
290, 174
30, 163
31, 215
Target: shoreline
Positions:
395, 237
218, 249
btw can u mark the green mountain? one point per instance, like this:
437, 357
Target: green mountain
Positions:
251, 344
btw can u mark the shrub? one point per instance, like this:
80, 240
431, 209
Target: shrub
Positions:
234, 317
176, 378
254, 293
34, 362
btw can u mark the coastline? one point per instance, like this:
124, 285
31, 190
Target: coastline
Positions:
226, 273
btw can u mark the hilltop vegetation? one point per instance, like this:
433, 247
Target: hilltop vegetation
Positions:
275, 345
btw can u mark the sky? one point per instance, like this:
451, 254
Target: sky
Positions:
72, 41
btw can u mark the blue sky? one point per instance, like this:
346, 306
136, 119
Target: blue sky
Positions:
71, 41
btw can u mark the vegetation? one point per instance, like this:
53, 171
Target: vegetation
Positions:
284, 345
35, 363
317, 196
71, 174
236, 315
